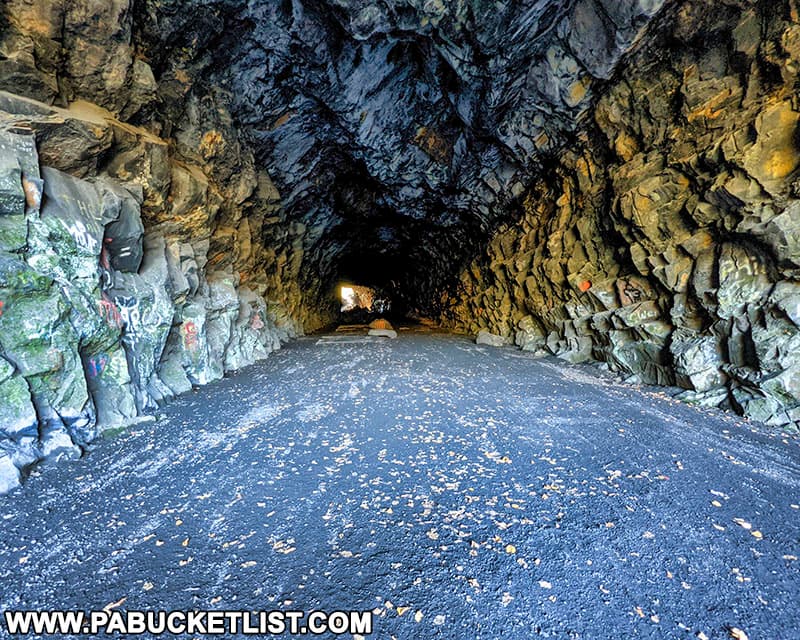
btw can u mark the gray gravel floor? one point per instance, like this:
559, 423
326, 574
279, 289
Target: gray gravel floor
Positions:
459, 491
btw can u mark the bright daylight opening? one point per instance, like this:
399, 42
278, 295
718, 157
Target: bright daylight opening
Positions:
355, 297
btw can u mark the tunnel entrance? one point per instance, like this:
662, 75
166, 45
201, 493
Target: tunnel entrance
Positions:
362, 299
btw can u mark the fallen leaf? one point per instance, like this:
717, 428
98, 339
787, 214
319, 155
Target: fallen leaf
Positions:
737, 634
114, 605
744, 524
401, 610
544, 584
510, 548
418, 616
147, 586
248, 564
757, 534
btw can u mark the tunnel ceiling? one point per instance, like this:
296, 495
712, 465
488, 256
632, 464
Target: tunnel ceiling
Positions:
401, 130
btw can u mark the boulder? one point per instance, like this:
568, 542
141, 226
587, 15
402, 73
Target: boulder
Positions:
9, 474
529, 337
697, 361
491, 339
743, 280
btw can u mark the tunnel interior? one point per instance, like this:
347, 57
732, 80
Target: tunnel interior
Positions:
186, 185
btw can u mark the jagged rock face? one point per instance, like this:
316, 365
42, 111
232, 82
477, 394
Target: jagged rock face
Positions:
133, 265
183, 183
384, 123
665, 242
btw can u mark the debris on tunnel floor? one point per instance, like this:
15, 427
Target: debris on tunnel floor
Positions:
382, 328
455, 492
304, 303
185, 189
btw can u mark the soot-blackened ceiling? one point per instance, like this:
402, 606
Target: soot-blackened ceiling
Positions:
401, 128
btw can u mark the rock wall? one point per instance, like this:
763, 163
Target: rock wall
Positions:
650, 203
141, 251
665, 241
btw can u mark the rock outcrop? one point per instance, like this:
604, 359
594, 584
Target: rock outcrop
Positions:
664, 240
400, 130
133, 266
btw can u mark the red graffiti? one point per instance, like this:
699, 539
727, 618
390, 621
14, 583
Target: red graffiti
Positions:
105, 263
190, 339
2, 308
110, 313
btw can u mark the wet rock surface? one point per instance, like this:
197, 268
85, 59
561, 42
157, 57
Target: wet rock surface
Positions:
455, 489
663, 240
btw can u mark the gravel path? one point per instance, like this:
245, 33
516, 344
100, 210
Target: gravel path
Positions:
459, 491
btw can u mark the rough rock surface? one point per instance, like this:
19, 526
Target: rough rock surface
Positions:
131, 269
491, 339
398, 129
664, 241
183, 183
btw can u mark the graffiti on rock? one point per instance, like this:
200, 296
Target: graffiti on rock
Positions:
110, 313
81, 235
97, 364
190, 336
131, 316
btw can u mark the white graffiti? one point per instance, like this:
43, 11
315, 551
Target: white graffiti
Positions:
81, 235
131, 316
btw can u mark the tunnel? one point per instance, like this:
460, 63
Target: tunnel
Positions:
598, 187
